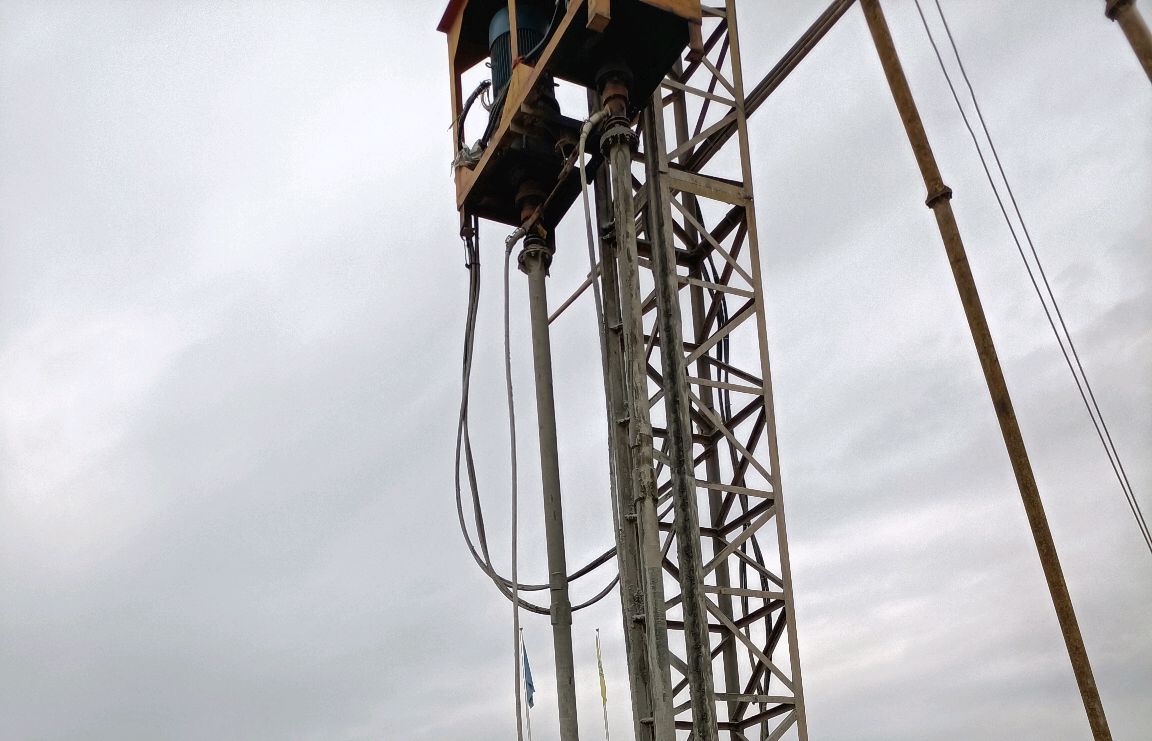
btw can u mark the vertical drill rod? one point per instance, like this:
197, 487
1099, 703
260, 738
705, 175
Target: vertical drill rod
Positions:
534, 261
618, 147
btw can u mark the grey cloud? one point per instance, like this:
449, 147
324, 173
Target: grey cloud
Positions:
232, 305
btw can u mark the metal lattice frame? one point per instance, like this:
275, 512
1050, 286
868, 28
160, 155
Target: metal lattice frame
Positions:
712, 648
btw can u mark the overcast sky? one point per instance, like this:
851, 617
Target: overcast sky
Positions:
231, 307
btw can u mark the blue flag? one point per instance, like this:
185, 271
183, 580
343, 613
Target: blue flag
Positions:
529, 686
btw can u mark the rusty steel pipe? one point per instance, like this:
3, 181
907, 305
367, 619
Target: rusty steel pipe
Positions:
1124, 12
939, 196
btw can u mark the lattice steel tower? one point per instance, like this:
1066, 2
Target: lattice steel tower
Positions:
690, 368
702, 548
701, 542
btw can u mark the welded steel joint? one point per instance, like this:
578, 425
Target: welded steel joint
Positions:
939, 193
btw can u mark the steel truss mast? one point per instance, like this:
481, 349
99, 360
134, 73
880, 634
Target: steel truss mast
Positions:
702, 536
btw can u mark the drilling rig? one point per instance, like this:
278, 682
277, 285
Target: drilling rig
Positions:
701, 541
674, 265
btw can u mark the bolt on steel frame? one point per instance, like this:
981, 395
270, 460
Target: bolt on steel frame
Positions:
705, 577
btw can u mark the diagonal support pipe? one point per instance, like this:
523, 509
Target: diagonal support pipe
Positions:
939, 200
1125, 13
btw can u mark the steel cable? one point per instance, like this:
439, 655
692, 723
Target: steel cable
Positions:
515, 491
1071, 356
598, 299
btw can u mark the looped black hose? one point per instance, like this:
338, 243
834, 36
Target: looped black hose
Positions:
479, 549
484, 85
494, 116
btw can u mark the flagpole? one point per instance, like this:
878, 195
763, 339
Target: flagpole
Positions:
603, 687
517, 631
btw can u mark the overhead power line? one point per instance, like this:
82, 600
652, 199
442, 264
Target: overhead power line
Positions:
1054, 315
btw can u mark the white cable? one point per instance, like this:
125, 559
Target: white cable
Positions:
585, 131
509, 244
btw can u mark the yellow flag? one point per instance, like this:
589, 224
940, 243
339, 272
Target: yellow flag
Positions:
600, 666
